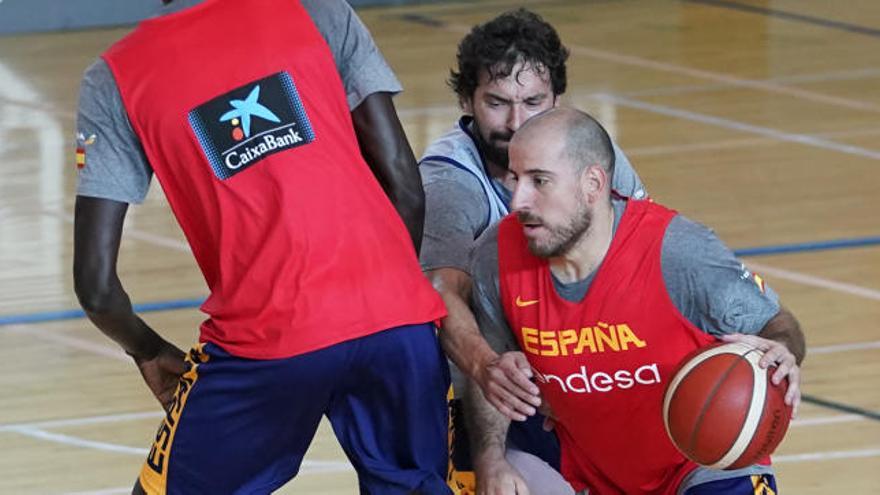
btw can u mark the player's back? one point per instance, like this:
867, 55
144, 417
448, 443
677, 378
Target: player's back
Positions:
252, 141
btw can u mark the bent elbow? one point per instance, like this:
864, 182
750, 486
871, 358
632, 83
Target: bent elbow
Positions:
94, 297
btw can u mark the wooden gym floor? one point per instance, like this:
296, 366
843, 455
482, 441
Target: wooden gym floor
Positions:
758, 118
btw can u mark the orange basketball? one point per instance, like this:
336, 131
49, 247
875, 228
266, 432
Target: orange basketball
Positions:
721, 410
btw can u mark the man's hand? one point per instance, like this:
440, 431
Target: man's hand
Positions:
498, 477
162, 373
506, 384
776, 354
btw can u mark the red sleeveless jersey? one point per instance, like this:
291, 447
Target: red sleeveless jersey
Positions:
602, 364
243, 117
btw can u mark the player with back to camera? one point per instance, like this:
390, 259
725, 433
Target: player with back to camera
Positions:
268, 124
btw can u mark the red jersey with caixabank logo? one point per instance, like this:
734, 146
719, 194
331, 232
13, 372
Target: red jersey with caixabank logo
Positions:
243, 117
602, 364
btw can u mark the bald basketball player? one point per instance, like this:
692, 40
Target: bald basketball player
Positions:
604, 296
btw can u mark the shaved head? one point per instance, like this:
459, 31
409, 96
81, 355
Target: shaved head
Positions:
563, 162
574, 134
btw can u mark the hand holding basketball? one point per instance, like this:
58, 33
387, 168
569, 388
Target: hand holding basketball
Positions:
721, 408
778, 355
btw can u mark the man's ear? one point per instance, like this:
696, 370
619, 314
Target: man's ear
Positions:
467, 105
594, 180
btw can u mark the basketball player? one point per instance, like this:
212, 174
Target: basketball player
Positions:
509, 68
250, 113
604, 296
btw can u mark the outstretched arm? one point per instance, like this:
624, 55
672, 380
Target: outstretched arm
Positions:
97, 233
388, 153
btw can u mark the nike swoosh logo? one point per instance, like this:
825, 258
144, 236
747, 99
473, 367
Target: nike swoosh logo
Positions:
522, 304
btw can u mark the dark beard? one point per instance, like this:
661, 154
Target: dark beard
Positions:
490, 152
563, 238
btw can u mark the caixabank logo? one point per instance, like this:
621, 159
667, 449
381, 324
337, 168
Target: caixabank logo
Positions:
238, 129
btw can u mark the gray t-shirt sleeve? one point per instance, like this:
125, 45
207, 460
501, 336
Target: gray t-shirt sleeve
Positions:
709, 286
455, 213
486, 295
626, 182
114, 163
361, 66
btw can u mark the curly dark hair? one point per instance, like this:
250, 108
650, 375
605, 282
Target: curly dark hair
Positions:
496, 46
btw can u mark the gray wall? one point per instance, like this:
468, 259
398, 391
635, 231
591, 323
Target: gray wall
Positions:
21, 16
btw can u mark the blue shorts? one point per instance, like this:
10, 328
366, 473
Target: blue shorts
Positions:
242, 426
758, 484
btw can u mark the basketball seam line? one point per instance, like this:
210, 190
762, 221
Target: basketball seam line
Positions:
699, 420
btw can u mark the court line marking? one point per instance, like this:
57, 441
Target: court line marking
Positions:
739, 143
790, 16
37, 431
819, 282
307, 465
105, 491
840, 406
85, 421
805, 247
131, 232
791, 276
156, 415
760, 85
310, 466
805, 139
40, 107
818, 77
855, 346
777, 459
826, 456
826, 420
70, 341
79, 442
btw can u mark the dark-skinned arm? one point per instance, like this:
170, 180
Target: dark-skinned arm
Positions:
97, 234
387, 151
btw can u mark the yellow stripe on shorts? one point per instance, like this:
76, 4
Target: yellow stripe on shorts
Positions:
154, 473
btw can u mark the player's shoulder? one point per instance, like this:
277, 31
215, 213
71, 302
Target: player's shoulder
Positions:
687, 232
444, 168
688, 243
97, 73
455, 143
487, 242
333, 18
98, 89
453, 157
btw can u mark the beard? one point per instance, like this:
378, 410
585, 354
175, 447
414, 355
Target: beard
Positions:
491, 148
561, 238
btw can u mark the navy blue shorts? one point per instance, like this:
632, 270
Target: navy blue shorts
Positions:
242, 426
758, 484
